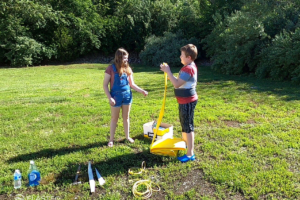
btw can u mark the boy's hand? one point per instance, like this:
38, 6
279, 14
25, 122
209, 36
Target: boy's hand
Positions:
145, 93
165, 67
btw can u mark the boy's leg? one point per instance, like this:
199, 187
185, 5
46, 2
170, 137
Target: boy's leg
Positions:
126, 121
184, 137
190, 143
189, 140
186, 115
113, 123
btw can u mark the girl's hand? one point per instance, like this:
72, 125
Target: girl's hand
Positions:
145, 93
112, 102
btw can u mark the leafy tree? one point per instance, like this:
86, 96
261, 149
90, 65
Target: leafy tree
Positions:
246, 40
281, 59
82, 31
165, 48
164, 16
135, 17
20, 24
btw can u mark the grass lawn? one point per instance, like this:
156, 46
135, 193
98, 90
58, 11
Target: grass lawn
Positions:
247, 138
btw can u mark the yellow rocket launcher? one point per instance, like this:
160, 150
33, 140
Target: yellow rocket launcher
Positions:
168, 146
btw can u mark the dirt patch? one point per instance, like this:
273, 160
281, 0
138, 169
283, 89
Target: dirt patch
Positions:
251, 121
196, 180
234, 124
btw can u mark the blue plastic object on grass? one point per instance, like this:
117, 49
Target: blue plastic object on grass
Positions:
34, 175
185, 158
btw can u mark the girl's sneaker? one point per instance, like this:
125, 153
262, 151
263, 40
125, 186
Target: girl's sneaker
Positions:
185, 158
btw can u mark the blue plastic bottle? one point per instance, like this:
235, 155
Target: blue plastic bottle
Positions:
34, 175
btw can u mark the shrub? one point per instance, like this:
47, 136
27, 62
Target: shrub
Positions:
24, 51
235, 42
281, 60
242, 42
165, 49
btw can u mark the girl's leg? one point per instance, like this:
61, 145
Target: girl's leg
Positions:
126, 123
113, 123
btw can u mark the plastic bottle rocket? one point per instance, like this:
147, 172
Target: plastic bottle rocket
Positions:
91, 177
34, 175
100, 178
17, 179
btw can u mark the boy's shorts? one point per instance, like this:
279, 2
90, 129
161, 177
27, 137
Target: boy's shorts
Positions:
186, 116
122, 98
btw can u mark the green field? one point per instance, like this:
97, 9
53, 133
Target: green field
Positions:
247, 139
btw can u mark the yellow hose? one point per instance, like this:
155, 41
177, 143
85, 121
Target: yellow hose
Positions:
167, 146
147, 183
162, 110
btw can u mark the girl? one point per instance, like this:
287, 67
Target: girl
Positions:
120, 77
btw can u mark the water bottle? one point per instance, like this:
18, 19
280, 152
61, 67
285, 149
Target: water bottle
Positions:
34, 175
17, 179
154, 124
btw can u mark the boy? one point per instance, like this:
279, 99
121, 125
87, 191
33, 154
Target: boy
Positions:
185, 93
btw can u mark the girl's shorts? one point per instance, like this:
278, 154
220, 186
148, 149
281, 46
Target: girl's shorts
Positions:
122, 98
186, 116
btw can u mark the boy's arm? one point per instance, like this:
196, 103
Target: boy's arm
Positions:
176, 82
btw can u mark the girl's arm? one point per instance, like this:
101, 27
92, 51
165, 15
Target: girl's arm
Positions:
135, 87
106, 80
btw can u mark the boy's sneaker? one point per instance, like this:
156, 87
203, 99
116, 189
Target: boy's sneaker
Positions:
185, 158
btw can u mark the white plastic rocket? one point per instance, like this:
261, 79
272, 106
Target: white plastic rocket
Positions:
100, 178
91, 177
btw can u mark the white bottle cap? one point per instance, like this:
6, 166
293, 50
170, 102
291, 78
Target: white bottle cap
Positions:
17, 171
32, 162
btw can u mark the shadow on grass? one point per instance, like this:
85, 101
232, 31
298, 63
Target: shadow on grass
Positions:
116, 166
112, 166
49, 153
209, 78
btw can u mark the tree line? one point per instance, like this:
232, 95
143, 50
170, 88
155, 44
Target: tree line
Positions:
260, 37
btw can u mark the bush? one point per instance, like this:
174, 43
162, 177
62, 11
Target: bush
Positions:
281, 60
235, 42
165, 49
24, 51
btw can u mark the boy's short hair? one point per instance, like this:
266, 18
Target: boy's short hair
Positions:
190, 50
